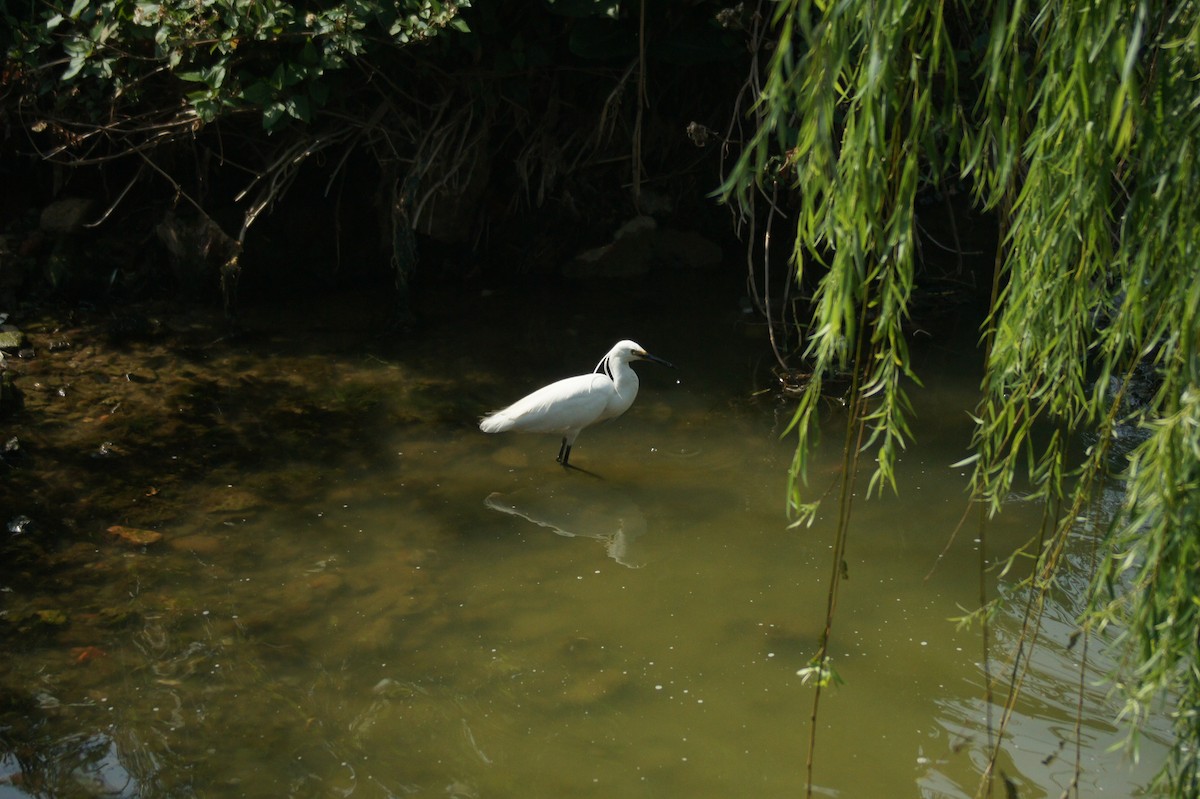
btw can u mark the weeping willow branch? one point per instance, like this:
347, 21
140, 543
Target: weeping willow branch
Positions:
820, 666
1076, 122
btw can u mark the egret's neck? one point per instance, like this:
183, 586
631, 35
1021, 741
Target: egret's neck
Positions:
625, 380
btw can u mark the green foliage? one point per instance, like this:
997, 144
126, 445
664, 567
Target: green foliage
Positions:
1151, 580
1076, 122
837, 122
275, 58
819, 671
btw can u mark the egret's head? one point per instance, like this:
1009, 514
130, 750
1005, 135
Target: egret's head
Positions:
632, 351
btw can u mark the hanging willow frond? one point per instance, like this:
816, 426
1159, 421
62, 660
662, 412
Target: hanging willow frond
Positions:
1077, 122
857, 146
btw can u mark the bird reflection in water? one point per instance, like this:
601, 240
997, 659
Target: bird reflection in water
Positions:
591, 510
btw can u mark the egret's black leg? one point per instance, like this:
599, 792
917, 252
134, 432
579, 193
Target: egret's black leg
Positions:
564, 452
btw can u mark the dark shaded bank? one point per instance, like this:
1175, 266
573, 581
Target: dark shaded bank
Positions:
495, 150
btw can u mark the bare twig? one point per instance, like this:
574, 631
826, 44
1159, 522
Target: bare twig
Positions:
117, 201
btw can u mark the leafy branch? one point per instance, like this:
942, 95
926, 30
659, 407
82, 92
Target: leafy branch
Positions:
1075, 123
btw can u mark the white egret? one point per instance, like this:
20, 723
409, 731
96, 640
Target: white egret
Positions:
570, 405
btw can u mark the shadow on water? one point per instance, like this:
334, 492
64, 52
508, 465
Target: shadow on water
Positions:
357, 593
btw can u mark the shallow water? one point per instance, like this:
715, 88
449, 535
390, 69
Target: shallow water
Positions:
357, 593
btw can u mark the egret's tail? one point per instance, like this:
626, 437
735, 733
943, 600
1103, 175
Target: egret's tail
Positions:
495, 423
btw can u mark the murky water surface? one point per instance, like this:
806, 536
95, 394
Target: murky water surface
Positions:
358, 593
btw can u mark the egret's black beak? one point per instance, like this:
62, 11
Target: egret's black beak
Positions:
645, 356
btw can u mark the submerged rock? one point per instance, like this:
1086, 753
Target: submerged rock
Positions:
12, 399
118, 617
128, 327
50, 618
11, 338
135, 535
82, 655
198, 249
34, 622
67, 215
640, 245
19, 525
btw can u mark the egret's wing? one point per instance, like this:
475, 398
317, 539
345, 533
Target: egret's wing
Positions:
569, 404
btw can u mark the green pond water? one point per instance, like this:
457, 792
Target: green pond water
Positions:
357, 593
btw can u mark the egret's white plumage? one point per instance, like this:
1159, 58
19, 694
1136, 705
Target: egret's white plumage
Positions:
570, 405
